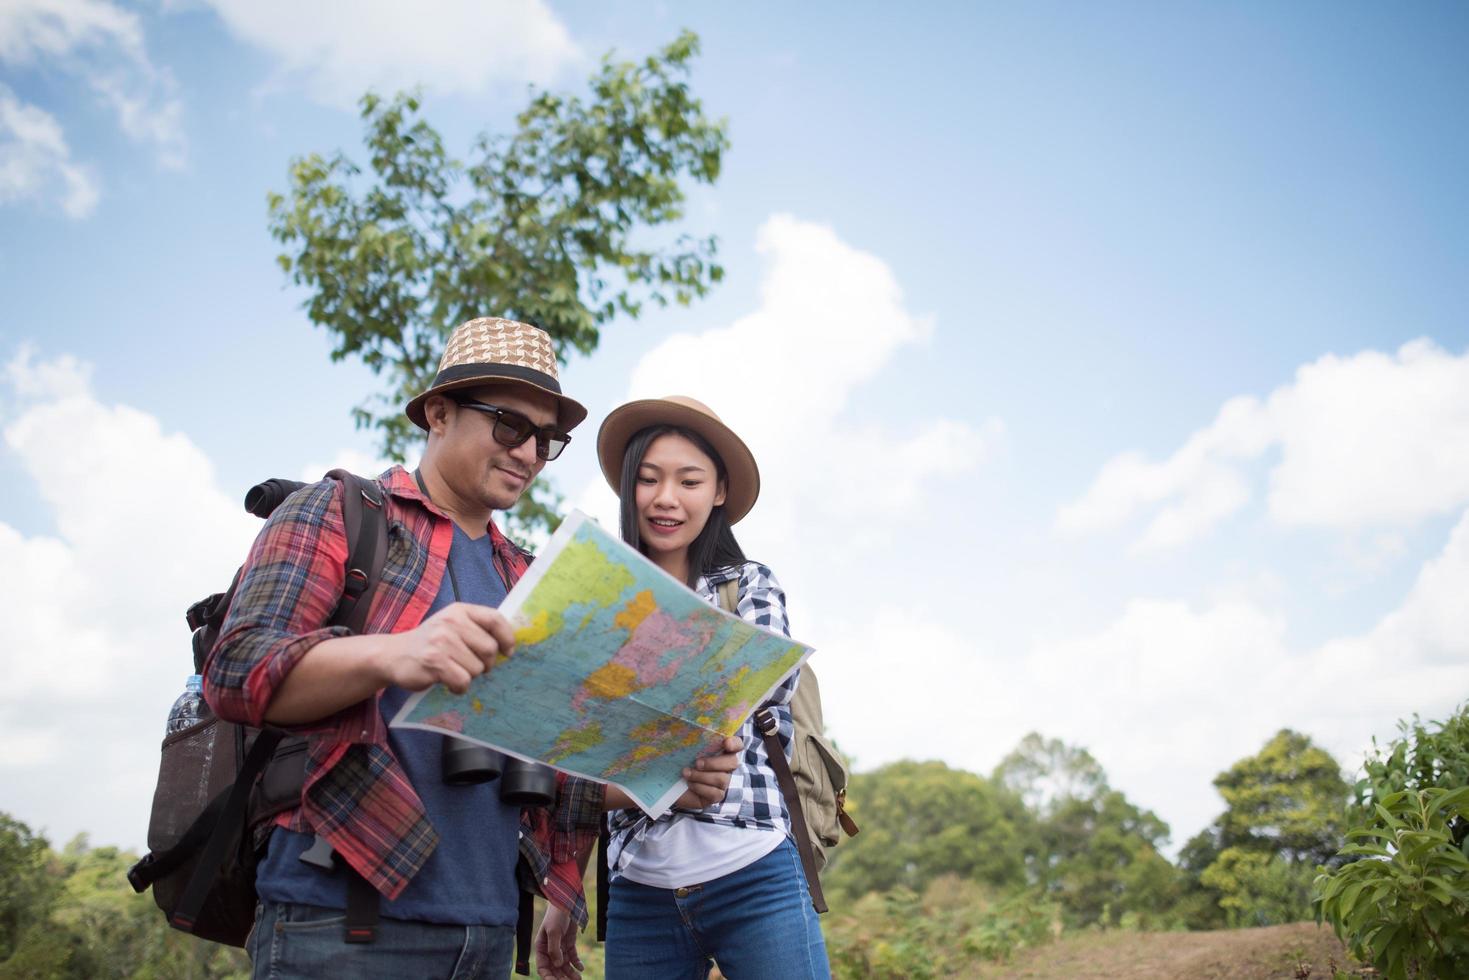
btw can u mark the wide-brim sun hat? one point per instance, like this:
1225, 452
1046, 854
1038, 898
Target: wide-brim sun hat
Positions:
628, 420
492, 350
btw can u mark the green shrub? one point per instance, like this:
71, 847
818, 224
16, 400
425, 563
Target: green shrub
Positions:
1403, 904
950, 930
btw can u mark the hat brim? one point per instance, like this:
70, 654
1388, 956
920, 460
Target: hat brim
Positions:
626, 421
569, 412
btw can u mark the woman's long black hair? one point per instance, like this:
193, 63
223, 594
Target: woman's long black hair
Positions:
715, 547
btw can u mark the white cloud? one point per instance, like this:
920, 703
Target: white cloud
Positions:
34, 29
837, 482
35, 160
830, 319
1166, 696
458, 47
102, 43
1368, 440
95, 647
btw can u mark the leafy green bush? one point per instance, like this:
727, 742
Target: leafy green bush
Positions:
1403, 905
953, 928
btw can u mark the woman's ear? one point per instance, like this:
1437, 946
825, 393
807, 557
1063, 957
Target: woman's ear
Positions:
719, 496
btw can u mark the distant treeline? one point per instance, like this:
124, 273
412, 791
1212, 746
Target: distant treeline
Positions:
954, 870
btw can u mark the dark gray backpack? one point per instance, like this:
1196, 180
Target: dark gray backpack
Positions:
219, 784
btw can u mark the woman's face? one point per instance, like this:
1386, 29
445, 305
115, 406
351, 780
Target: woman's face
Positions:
678, 485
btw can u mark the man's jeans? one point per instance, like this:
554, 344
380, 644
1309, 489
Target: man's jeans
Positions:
757, 923
305, 941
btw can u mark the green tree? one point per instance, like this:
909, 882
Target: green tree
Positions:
28, 883
1094, 851
83, 921
556, 224
1287, 799
1284, 815
1045, 770
921, 820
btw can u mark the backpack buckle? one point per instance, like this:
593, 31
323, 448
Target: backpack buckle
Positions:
356, 582
765, 722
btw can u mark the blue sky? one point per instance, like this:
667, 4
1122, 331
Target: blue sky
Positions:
1071, 339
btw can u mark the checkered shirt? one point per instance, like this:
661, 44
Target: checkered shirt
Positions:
754, 798
357, 794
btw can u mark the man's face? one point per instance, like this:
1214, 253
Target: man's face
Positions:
476, 465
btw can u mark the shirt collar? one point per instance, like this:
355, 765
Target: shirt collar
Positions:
400, 483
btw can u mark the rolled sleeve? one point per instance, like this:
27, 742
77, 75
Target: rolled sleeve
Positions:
558, 843
289, 587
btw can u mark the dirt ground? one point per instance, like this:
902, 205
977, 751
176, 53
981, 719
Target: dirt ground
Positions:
1302, 951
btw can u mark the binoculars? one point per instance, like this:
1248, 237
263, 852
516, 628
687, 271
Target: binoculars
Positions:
466, 763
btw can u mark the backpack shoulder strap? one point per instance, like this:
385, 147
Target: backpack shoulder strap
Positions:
765, 721
365, 520
729, 595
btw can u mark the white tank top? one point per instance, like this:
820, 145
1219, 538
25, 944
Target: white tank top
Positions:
684, 851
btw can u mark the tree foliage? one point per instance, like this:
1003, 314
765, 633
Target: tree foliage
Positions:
1046, 770
554, 224
921, 820
1284, 815
1403, 904
1287, 799
72, 916
1093, 850
28, 883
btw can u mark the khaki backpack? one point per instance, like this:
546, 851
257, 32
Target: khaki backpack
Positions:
818, 771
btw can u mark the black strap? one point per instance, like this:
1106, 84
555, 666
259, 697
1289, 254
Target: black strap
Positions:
523, 923
366, 529
226, 833
604, 878
160, 864
366, 547
765, 721
363, 903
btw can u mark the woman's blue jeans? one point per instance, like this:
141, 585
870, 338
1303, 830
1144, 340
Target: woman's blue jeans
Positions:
757, 924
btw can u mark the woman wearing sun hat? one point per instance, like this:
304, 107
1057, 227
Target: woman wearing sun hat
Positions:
724, 883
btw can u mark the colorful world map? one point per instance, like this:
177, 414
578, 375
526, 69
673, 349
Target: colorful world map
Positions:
620, 673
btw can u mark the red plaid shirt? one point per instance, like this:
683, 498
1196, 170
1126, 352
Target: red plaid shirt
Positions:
356, 794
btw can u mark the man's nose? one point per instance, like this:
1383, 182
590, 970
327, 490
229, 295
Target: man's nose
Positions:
525, 453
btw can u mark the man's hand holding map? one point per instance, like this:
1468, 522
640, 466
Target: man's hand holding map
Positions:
619, 674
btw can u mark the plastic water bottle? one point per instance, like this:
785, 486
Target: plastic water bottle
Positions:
189, 708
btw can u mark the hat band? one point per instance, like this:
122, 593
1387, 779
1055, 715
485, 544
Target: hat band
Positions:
489, 372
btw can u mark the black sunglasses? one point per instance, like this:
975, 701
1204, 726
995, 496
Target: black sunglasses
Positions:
513, 429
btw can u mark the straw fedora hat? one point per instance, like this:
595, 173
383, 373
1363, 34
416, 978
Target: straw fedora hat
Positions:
491, 350
628, 420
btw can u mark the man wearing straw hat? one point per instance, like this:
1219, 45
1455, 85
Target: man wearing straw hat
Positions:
440, 859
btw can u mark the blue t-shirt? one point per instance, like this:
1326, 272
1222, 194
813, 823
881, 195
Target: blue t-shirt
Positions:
469, 879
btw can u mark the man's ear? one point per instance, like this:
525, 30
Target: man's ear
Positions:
436, 412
